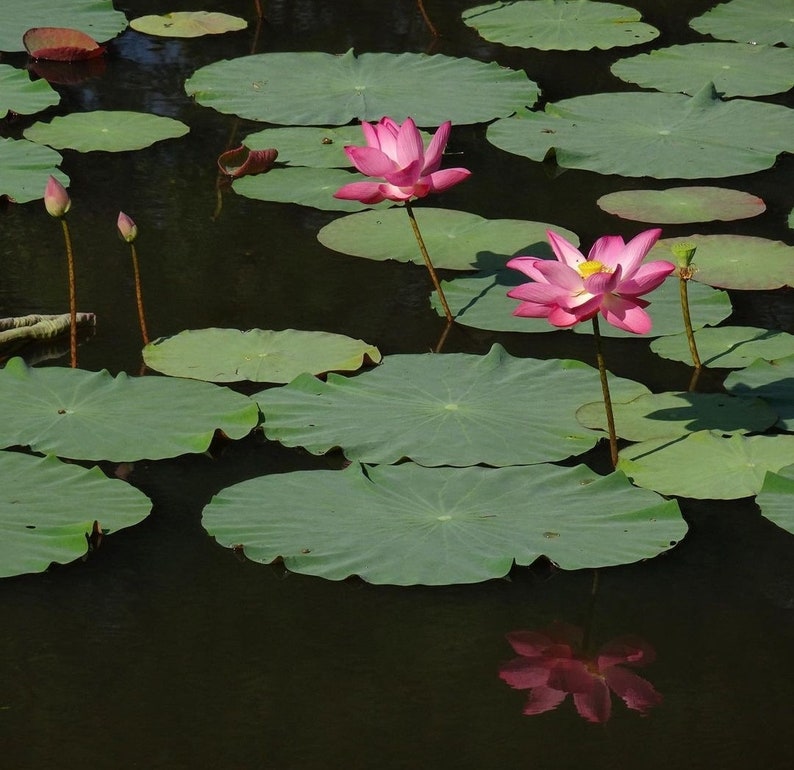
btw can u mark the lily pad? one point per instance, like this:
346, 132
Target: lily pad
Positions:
772, 381
481, 302
111, 131
94, 416
668, 415
258, 355
20, 94
729, 347
704, 465
652, 134
776, 498
313, 187
749, 21
312, 88
456, 240
25, 168
443, 409
679, 205
188, 24
61, 44
408, 525
736, 261
736, 69
97, 18
48, 510
561, 25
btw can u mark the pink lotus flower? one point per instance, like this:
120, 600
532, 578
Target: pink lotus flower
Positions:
128, 230
56, 199
396, 154
551, 667
610, 280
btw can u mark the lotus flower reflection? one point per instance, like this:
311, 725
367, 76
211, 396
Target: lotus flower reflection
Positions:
395, 153
610, 281
552, 666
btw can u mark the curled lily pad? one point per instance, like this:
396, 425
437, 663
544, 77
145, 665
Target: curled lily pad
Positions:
408, 525
20, 94
259, 355
61, 44
563, 25
776, 498
188, 24
773, 381
25, 168
241, 161
94, 416
679, 205
748, 21
49, 509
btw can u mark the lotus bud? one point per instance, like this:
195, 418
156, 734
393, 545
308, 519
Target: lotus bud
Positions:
128, 230
683, 253
56, 199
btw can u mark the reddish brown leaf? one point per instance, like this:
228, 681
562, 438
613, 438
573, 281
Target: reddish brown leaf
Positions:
241, 161
60, 44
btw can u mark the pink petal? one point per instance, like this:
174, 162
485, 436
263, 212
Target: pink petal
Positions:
370, 135
630, 649
443, 180
533, 310
369, 161
607, 250
564, 318
542, 699
602, 283
387, 131
637, 693
525, 265
570, 675
566, 252
637, 249
410, 149
435, 150
646, 278
399, 194
529, 643
626, 314
406, 176
366, 192
560, 275
596, 704
525, 673
542, 293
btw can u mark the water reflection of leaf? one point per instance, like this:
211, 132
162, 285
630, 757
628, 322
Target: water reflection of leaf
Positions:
552, 664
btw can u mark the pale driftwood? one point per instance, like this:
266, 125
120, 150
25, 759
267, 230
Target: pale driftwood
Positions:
40, 327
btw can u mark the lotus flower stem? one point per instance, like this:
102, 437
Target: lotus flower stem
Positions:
684, 253
138, 294
72, 294
602, 371
428, 263
428, 23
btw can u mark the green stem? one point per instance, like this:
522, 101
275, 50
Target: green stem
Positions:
690, 335
138, 294
428, 23
428, 263
72, 294
602, 371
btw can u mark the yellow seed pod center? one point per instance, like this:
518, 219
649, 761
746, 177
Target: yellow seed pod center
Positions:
586, 269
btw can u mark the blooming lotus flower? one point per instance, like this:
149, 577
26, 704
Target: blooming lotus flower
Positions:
610, 280
56, 199
396, 154
551, 668
128, 230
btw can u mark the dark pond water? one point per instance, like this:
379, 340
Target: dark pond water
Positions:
164, 650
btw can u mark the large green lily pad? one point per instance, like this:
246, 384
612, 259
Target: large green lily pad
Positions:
20, 94
563, 25
652, 134
481, 302
668, 415
729, 347
258, 355
443, 409
108, 130
408, 525
749, 21
25, 168
313, 89
455, 240
772, 381
94, 416
736, 69
48, 509
736, 261
705, 465
776, 498
96, 18
188, 24
679, 205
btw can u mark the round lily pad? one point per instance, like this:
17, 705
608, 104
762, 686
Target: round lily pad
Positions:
652, 134
258, 355
679, 205
312, 88
749, 21
443, 409
455, 240
736, 69
94, 416
25, 168
48, 510
563, 25
705, 465
736, 261
408, 525
111, 131
770, 380
776, 498
20, 94
188, 24
730, 347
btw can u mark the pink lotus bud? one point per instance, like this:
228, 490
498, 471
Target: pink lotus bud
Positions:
56, 199
128, 230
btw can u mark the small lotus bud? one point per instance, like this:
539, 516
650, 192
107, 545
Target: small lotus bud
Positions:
683, 253
56, 199
128, 230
